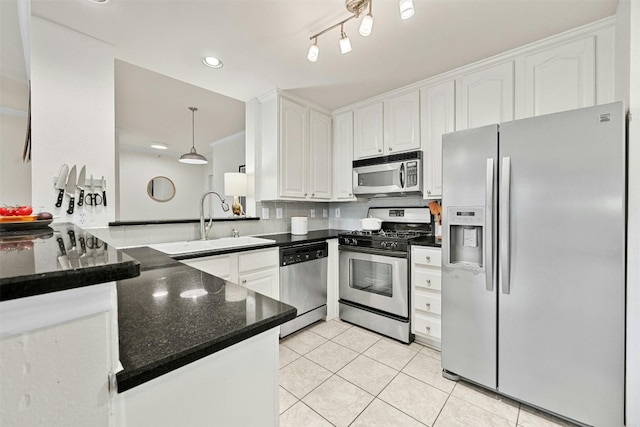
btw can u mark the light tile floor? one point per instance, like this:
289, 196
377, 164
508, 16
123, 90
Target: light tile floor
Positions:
336, 374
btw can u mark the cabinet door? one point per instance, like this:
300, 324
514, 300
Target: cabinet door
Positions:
343, 156
265, 282
561, 78
320, 156
368, 136
402, 123
294, 148
485, 97
438, 113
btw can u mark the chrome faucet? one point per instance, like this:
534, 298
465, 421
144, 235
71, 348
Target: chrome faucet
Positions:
205, 230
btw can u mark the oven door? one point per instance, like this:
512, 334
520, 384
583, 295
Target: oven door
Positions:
374, 280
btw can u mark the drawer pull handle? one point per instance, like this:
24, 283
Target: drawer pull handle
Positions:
429, 282
428, 259
428, 305
428, 328
244, 281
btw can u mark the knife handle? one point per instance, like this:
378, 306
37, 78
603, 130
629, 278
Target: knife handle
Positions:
81, 197
72, 237
104, 198
63, 250
83, 245
60, 196
71, 204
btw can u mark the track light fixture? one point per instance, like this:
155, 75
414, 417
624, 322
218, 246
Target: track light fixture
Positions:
356, 7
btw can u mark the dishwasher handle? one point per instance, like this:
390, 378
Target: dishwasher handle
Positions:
303, 253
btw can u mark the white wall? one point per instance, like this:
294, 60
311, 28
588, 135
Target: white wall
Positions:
73, 119
15, 175
628, 89
228, 154
137, 168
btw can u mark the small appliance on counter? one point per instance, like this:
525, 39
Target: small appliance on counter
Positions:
299, 225
374, 271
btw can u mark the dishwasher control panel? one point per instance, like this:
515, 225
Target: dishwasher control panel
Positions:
302, 253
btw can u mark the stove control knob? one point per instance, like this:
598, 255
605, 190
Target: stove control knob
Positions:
354, 242
385, 244
394, 245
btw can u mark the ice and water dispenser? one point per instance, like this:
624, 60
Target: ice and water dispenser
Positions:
466, 237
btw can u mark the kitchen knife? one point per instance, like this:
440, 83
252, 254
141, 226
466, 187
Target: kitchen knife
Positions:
80, 184
63, 259
62, 179
72, 238
104, 191
71, 189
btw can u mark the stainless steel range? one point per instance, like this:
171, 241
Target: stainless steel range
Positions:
374, 271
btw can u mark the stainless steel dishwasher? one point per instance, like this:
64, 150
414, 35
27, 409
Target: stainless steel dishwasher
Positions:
303, 283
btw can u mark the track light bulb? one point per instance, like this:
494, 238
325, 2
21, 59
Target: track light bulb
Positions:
366, 25
345, 44
406, 9
314, 51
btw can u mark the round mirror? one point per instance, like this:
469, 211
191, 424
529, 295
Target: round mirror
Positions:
161, 189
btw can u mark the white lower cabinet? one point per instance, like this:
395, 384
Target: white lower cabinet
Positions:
426, 273
257, 270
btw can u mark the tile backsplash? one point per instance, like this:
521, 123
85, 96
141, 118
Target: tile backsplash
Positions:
350, 214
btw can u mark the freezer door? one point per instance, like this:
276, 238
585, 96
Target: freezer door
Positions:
469, 294
562, 244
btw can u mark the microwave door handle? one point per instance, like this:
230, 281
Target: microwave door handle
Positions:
402, 175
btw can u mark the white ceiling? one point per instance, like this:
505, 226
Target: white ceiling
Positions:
263, 44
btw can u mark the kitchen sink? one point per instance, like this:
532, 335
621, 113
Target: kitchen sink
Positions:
176, 248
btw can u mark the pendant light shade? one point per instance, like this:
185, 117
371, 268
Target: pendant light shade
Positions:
192, 157
406, 9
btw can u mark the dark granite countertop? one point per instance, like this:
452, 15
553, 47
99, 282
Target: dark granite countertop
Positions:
56, 258
288, 239
160, 330
427, 241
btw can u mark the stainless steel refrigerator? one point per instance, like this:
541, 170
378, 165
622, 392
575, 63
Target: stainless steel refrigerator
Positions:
533, 276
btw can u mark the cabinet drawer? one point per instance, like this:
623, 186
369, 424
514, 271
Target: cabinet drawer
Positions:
257, 260
427, 302
430, 257
427, 278
219, 265
427, 326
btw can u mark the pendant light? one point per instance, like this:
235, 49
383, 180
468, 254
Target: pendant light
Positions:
192, 157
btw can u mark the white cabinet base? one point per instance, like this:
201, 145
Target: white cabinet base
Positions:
237, 386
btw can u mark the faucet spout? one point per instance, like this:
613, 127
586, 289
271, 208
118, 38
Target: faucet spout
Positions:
205, 230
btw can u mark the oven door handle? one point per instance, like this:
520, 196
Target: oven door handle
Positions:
402, 176
381, 252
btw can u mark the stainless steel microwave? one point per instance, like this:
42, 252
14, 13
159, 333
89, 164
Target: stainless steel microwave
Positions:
394, 175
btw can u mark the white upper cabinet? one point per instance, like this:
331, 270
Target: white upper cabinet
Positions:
402, 123
559, 78
485, 97
368, 138
294, 148
437, 118
294, 151
343, 156
320, 155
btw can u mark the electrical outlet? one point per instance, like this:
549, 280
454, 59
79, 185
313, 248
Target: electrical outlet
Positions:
278, 213
337, 212
313, 213
82, 218
265, 213
325, 213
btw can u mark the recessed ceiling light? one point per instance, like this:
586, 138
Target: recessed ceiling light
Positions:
212, 61
99, 1
159, 146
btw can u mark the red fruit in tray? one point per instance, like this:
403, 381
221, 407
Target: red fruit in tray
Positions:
24, 210
4, 211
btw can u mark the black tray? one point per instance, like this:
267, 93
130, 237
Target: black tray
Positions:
25, 225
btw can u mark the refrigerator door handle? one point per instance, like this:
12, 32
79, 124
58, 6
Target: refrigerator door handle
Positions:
505, 207
488, 238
